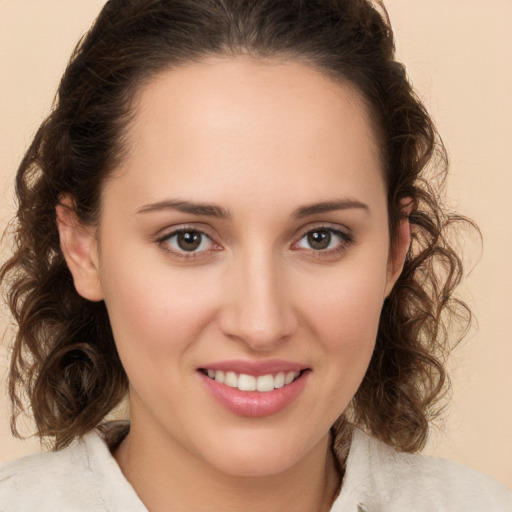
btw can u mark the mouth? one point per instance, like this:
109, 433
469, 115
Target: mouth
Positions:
246, 382
255, 389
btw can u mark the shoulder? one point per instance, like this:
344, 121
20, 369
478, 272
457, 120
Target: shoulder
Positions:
380, 476
82, 477
49, 478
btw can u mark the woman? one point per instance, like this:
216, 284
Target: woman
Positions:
227, 217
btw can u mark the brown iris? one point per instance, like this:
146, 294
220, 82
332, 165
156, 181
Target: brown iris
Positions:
189, 240
319, 240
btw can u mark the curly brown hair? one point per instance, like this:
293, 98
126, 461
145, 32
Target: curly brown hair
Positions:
64, 358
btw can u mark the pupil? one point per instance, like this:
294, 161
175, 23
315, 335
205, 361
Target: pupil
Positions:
189, 240
319, 239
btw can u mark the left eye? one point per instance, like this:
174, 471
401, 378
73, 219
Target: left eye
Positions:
322, 239
189, 241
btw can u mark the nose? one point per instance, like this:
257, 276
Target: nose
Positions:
258, 310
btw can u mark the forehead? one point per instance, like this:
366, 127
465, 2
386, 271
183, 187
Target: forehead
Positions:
240, 122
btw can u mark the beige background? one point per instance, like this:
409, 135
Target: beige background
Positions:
459, 56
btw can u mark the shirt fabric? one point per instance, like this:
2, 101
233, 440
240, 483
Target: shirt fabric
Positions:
85, 477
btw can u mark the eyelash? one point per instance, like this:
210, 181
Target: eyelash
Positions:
164, 243
345, 240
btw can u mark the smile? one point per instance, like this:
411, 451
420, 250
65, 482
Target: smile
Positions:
254, 389
245, 382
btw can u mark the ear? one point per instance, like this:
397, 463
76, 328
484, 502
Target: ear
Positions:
399, 246
79, 247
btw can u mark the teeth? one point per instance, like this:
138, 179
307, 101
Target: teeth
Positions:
265, 383
245, 382
231, 380
279, 380
289, 377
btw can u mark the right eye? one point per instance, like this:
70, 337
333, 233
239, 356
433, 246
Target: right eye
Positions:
187, 243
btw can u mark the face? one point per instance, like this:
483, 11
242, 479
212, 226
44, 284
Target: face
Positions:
243, 255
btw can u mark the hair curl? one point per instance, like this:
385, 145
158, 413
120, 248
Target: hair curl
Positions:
64, 358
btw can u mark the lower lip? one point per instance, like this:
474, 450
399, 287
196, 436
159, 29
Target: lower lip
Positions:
255, 403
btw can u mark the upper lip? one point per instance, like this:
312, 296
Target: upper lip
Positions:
255, 368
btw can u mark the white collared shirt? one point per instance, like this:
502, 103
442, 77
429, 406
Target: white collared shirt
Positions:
85, 477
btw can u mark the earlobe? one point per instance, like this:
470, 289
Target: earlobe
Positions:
79, 247
400, 247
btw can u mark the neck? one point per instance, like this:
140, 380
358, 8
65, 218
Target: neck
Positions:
168, 477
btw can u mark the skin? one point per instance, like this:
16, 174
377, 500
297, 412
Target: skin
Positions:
260, 140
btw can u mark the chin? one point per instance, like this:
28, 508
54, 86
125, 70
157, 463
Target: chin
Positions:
259, 456
255, 465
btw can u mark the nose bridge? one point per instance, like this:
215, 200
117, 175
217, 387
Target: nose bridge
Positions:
259, 310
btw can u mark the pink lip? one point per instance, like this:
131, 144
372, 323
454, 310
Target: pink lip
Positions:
255, 403
255, 368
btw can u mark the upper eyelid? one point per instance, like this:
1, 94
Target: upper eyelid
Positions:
168, 232
206, 230
183, 255
163, 241
335, 228
346, 241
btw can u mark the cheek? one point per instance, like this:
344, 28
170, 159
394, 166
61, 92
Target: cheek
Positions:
345, 312
344, 317
156, 311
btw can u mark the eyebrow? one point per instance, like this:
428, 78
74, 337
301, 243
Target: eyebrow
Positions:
210, 210
330, 206
201, 209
